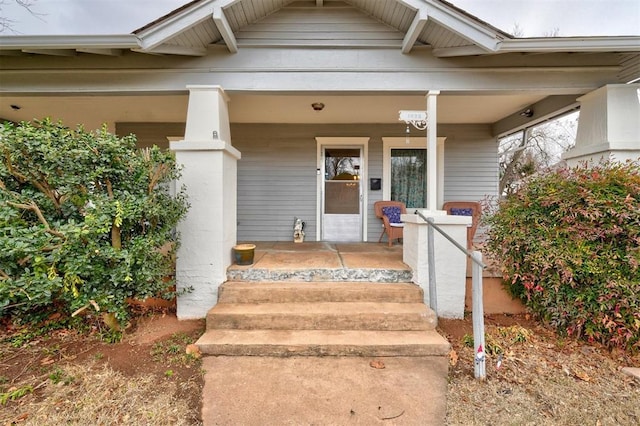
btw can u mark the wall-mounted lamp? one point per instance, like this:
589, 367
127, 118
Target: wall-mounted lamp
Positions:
317, 106
527, 113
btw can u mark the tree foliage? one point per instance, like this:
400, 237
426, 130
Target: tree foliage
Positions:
527, 152
569, 245
6, 23
86, 220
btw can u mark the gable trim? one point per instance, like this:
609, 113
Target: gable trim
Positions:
223, 26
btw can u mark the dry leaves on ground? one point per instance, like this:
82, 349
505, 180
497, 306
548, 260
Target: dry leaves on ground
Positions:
541, 379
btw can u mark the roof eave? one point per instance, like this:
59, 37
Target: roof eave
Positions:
120, 41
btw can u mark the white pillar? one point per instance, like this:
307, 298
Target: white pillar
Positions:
209, 173
450, 262
440, 173
432, 151
609, 125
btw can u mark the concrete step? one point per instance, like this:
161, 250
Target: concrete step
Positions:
284, 343
308, 292
322, 316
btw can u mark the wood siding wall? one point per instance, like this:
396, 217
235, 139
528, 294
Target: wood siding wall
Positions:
304, 24
277, 178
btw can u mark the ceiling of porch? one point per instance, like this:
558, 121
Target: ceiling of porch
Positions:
265, 108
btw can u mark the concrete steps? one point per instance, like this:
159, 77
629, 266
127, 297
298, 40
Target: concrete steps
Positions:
323, 343
309, 292
321, 318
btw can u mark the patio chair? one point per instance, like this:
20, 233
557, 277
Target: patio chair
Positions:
466, 208
389, 212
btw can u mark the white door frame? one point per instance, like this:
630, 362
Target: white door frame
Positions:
355, 142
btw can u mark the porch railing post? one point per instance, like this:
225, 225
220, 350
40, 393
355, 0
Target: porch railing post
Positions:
478, 317
433, 294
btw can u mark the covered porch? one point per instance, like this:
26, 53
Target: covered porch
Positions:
256, 101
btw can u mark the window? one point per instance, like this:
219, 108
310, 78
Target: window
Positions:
408, 181
404, 170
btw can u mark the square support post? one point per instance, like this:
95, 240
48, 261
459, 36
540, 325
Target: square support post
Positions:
209, 174
432, 150
609, 126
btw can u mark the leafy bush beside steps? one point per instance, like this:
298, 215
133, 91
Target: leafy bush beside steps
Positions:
569, 245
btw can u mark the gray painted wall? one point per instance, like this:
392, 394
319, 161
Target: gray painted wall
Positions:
277, 173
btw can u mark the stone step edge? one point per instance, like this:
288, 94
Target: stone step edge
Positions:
342, 308
318, 275
322, 343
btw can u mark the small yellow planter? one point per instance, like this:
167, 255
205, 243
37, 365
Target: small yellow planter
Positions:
243, 254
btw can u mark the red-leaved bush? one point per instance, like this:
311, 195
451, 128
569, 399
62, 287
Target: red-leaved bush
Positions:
568, 242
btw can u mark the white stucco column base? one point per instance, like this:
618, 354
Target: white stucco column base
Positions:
609, 126
450, 262
209, 173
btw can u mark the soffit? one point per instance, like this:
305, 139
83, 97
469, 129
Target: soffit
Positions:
91, 111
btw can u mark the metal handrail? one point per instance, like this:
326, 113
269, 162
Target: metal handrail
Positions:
469, 253
477, 309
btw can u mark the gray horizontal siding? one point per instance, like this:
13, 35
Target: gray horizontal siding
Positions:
277, 178
471, 163
276, 183
305, 24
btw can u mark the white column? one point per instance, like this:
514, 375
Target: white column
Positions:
450, 262
432, 152
440, 173
209, 173
609, 126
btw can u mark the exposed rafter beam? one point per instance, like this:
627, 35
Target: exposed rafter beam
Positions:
414, 30
466, 28
223, 26
170, 49
105, 52
448, 52
51, 52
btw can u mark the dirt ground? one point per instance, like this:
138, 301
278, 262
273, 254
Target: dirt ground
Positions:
149, 379
66, 378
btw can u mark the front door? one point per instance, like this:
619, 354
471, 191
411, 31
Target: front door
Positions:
342, 194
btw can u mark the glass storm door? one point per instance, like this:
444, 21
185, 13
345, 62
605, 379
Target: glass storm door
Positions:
342, 195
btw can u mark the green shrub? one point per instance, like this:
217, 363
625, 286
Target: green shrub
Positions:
86, 220
568, 242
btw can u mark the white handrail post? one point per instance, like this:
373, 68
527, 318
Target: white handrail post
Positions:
478, 317
433, 294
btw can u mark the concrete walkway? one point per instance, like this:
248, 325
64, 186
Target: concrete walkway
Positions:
324, 391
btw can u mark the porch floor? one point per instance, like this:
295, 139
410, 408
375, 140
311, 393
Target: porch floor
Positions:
323, 261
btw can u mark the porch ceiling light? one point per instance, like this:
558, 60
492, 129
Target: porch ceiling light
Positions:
317, 106
527, 113
417, 119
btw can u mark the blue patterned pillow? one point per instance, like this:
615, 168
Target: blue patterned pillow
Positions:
461, 212
393, 213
